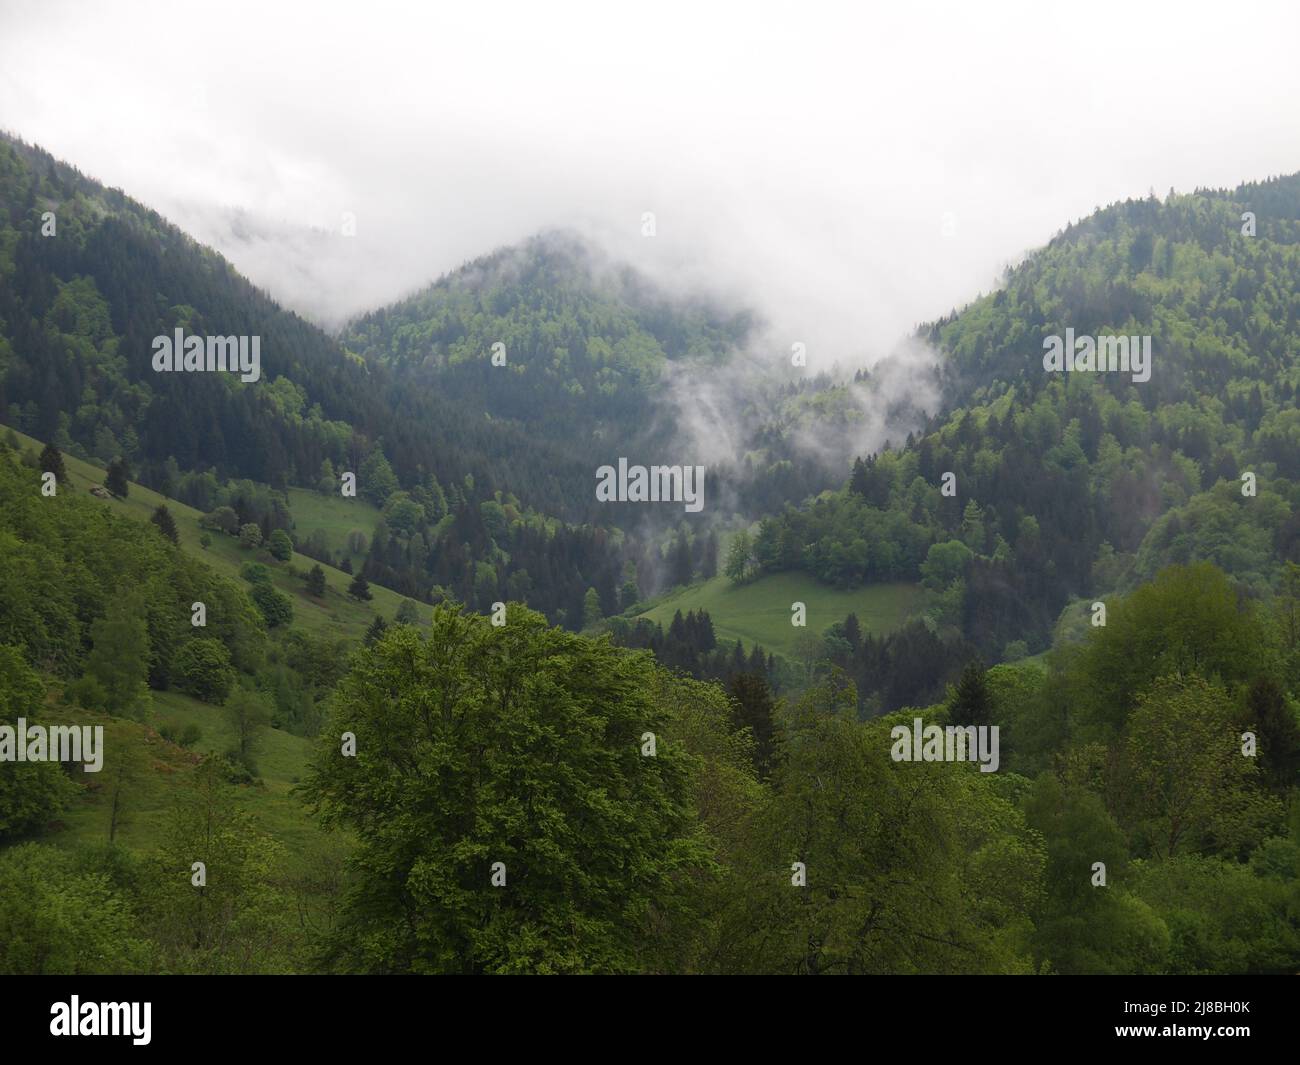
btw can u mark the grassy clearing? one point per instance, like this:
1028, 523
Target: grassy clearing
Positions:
334, 516
759, 612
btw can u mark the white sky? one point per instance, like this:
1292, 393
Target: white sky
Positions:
800, 156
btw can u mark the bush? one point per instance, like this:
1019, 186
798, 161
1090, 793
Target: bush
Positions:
276, 609
223, 519
202, 668
280, 545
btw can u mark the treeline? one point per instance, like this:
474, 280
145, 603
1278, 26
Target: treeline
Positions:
690, 645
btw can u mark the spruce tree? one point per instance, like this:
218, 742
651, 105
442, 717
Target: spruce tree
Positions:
681, 560
709, 563
971, 703
162, 517
375, 630
51, 461
115, 480
359, 589
753, 708
1278, 733
316, 581
119, 658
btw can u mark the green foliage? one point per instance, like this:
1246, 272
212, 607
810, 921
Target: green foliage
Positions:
316, 581
1188, 620
166, 524
276, 609
971, 702
247, 713
740, 557
910, 867
233, 923
280, 546
203, 669
31, 793
1183, 776
118, 663
376, 481
58, 919
51, 461
944, 563
556, 722
115, 480
1083, 927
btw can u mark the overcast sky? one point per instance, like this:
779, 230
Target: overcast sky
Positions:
799, 156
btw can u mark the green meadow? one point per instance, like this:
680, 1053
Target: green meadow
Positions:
760, 611
154, 767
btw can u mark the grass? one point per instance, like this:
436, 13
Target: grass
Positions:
760, 612
335, 614
162, 767
333, 515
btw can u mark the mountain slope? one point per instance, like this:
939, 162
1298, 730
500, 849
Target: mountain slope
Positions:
1081, 484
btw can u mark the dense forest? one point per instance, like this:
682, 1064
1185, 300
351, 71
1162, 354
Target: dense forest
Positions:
642, 820
1067, 487
535, 777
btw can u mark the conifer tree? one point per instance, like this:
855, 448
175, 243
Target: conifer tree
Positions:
51, 461
162, 517
316, 581
971, 703
115, 480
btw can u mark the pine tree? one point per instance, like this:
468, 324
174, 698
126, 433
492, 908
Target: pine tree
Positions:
162, 517
971, 703
51, 461
853, 631
1278, 733
316, 581
118, 662
709, 563
115, 480
375, 630
752, 707
681, 560
359, 589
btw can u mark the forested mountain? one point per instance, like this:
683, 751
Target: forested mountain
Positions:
83, 301
471, 462
1080, 484
90, 278
596, 360
513, 797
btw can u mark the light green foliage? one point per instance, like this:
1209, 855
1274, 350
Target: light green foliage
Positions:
538, 733
58, 919
31, 793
